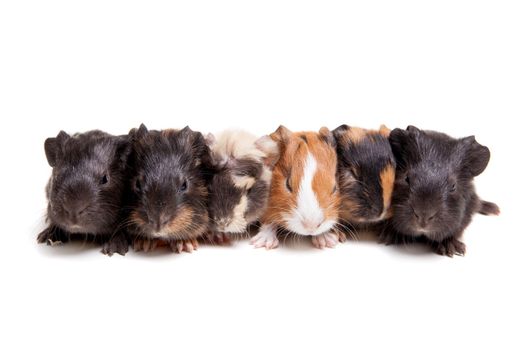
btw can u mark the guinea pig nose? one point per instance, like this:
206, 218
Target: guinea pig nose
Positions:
311, 225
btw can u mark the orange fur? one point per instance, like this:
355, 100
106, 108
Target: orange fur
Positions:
294, 150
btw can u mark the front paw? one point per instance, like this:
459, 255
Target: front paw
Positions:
325, 240
449, 247
144, 244
219, 238
186, 245
267, 237
391, 238
117, 244
51, 236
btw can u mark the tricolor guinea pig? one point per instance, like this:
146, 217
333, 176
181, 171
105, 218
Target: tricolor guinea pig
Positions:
304, 196
434, 196
366, 174
169, 194
86, 189
241, 181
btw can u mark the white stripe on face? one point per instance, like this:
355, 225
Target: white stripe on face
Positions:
308, 209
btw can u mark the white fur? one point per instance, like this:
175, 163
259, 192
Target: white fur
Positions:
308, 208
267, 237
236, 144
238, 223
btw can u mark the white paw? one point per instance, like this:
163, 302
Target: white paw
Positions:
325, 240
267, 237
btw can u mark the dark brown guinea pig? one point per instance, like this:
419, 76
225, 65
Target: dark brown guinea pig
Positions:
366, 173
434, 196
169, 197
86, 189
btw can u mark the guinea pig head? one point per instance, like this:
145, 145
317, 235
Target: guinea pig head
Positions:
434, 180
168, 183
366, 171
304, 196
240, 184
87, 183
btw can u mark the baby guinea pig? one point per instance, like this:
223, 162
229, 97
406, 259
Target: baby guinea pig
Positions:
86, 189
366, 174
169, 194
241, 181
434, 197
304, 196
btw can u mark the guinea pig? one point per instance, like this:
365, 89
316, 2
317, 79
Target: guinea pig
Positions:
304, 196
241, 181
366, 174
86, 189
434, 196
170, 170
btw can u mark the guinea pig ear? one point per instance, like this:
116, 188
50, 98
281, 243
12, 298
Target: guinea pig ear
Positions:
281, 135
413, 130
210, 139
124, 147
270, 148
137, 134
53, 147
326, 135
399, 140
476, 156
384, 131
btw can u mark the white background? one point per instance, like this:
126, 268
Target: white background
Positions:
455, 66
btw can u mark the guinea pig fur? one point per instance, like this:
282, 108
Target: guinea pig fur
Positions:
241, 181
366, 174
434, 196
170, 169
86, 189
304, 196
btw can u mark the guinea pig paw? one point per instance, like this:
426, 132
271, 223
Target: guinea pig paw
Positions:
144, 245
389, 238
266, 238
449, 247
325, 240
188, 245
219, 238
117, 244
51, 236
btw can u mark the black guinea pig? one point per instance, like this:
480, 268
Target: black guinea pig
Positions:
366, 170
240, 185
86, 189
168, 205
434, 196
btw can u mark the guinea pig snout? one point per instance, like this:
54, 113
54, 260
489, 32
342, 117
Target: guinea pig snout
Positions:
311, 225
75, 210
157, 221
424, 217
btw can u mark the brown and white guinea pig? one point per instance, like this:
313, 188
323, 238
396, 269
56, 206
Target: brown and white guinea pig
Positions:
434, 196
86, 189
304, 196
366, 173
169, 195
240, 185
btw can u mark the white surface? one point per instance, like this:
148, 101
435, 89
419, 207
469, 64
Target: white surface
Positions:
456, 66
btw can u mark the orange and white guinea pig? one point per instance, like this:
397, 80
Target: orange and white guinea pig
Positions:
304, 195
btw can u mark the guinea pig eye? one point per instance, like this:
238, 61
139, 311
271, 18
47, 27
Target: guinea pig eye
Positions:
184, 186
407, 180
453, 188
334, 189
104, 180
288, 186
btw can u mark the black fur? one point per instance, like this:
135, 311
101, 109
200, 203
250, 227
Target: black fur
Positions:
434, 197
86, 189
359, 165
169, 173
